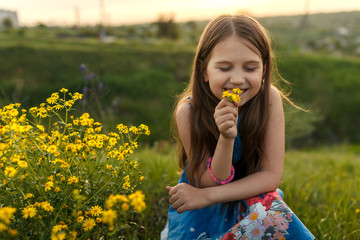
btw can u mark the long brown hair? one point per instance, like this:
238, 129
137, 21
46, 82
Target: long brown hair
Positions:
253, 115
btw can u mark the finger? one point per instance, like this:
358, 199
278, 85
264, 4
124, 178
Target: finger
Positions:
168, 188
173, 198
227, 125
226, 110
224, 118
172, 190
181, 209
176, 203
223, 102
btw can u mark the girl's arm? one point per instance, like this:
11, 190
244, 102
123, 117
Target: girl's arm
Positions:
272, 162
226, 115
185, 197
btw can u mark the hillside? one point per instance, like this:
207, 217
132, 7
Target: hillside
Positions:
135, 77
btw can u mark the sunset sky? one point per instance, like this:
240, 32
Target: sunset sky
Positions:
117, 12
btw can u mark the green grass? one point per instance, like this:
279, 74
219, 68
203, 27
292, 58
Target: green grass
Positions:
320, 186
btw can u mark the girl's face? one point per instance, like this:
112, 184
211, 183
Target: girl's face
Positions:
234, 63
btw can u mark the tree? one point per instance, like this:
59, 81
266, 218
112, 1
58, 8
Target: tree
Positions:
167, 28
7, 23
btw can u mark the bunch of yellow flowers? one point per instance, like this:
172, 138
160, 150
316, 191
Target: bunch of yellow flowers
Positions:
59, 174
232, 95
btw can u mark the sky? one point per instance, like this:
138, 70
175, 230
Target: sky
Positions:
119, 12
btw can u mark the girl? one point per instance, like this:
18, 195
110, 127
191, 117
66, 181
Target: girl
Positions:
232, 154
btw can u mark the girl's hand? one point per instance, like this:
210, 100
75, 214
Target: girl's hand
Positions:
226, 116
184, 197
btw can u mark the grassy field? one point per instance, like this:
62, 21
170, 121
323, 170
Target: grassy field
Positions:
140, 78
320, 186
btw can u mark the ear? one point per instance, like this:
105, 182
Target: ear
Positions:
264, 69
206, 79
203, 70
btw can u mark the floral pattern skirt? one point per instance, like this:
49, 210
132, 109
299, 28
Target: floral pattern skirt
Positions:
262, 217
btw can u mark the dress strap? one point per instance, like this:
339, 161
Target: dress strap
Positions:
189, 98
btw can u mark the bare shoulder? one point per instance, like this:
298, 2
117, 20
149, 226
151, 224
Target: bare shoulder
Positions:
275, 96
183, 111
276, 109
183, 122
275, 100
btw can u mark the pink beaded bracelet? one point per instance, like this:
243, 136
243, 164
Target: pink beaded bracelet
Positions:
216, 180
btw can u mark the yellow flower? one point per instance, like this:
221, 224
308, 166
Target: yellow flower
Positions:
58, 107
3, 227
73, 179
72, 235
109, 216
126, 185
124, 207
29, 195
13, 232
80, 219
46, 206
137, 201
57, 189
95, 211
6, 214
144, 129
88, 224
77, 96
52, 149
41, 128
29, 211
42, 112
59, 236
134, 130
92, 143
51, 100
122, 128
232, 95
55, 95
112, 141
48, 185
22, 164
64, 90
10, 171
69, 103
56, 228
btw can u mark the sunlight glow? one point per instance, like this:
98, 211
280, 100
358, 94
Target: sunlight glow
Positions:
139, 11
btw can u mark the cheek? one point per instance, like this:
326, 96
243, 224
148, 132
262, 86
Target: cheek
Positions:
257, 80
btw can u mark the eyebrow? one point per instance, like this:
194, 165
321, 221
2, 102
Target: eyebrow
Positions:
246, 62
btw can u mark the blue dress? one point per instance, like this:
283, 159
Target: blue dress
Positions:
262, 217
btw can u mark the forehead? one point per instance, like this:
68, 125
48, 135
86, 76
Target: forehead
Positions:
236, 47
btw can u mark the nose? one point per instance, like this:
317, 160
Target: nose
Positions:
238, 77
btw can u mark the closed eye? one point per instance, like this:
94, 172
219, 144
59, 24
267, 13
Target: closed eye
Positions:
225, 69
250, 69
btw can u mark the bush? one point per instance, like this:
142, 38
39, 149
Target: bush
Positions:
65, 174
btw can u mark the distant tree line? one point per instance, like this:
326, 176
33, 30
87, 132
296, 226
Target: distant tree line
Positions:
167, 27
